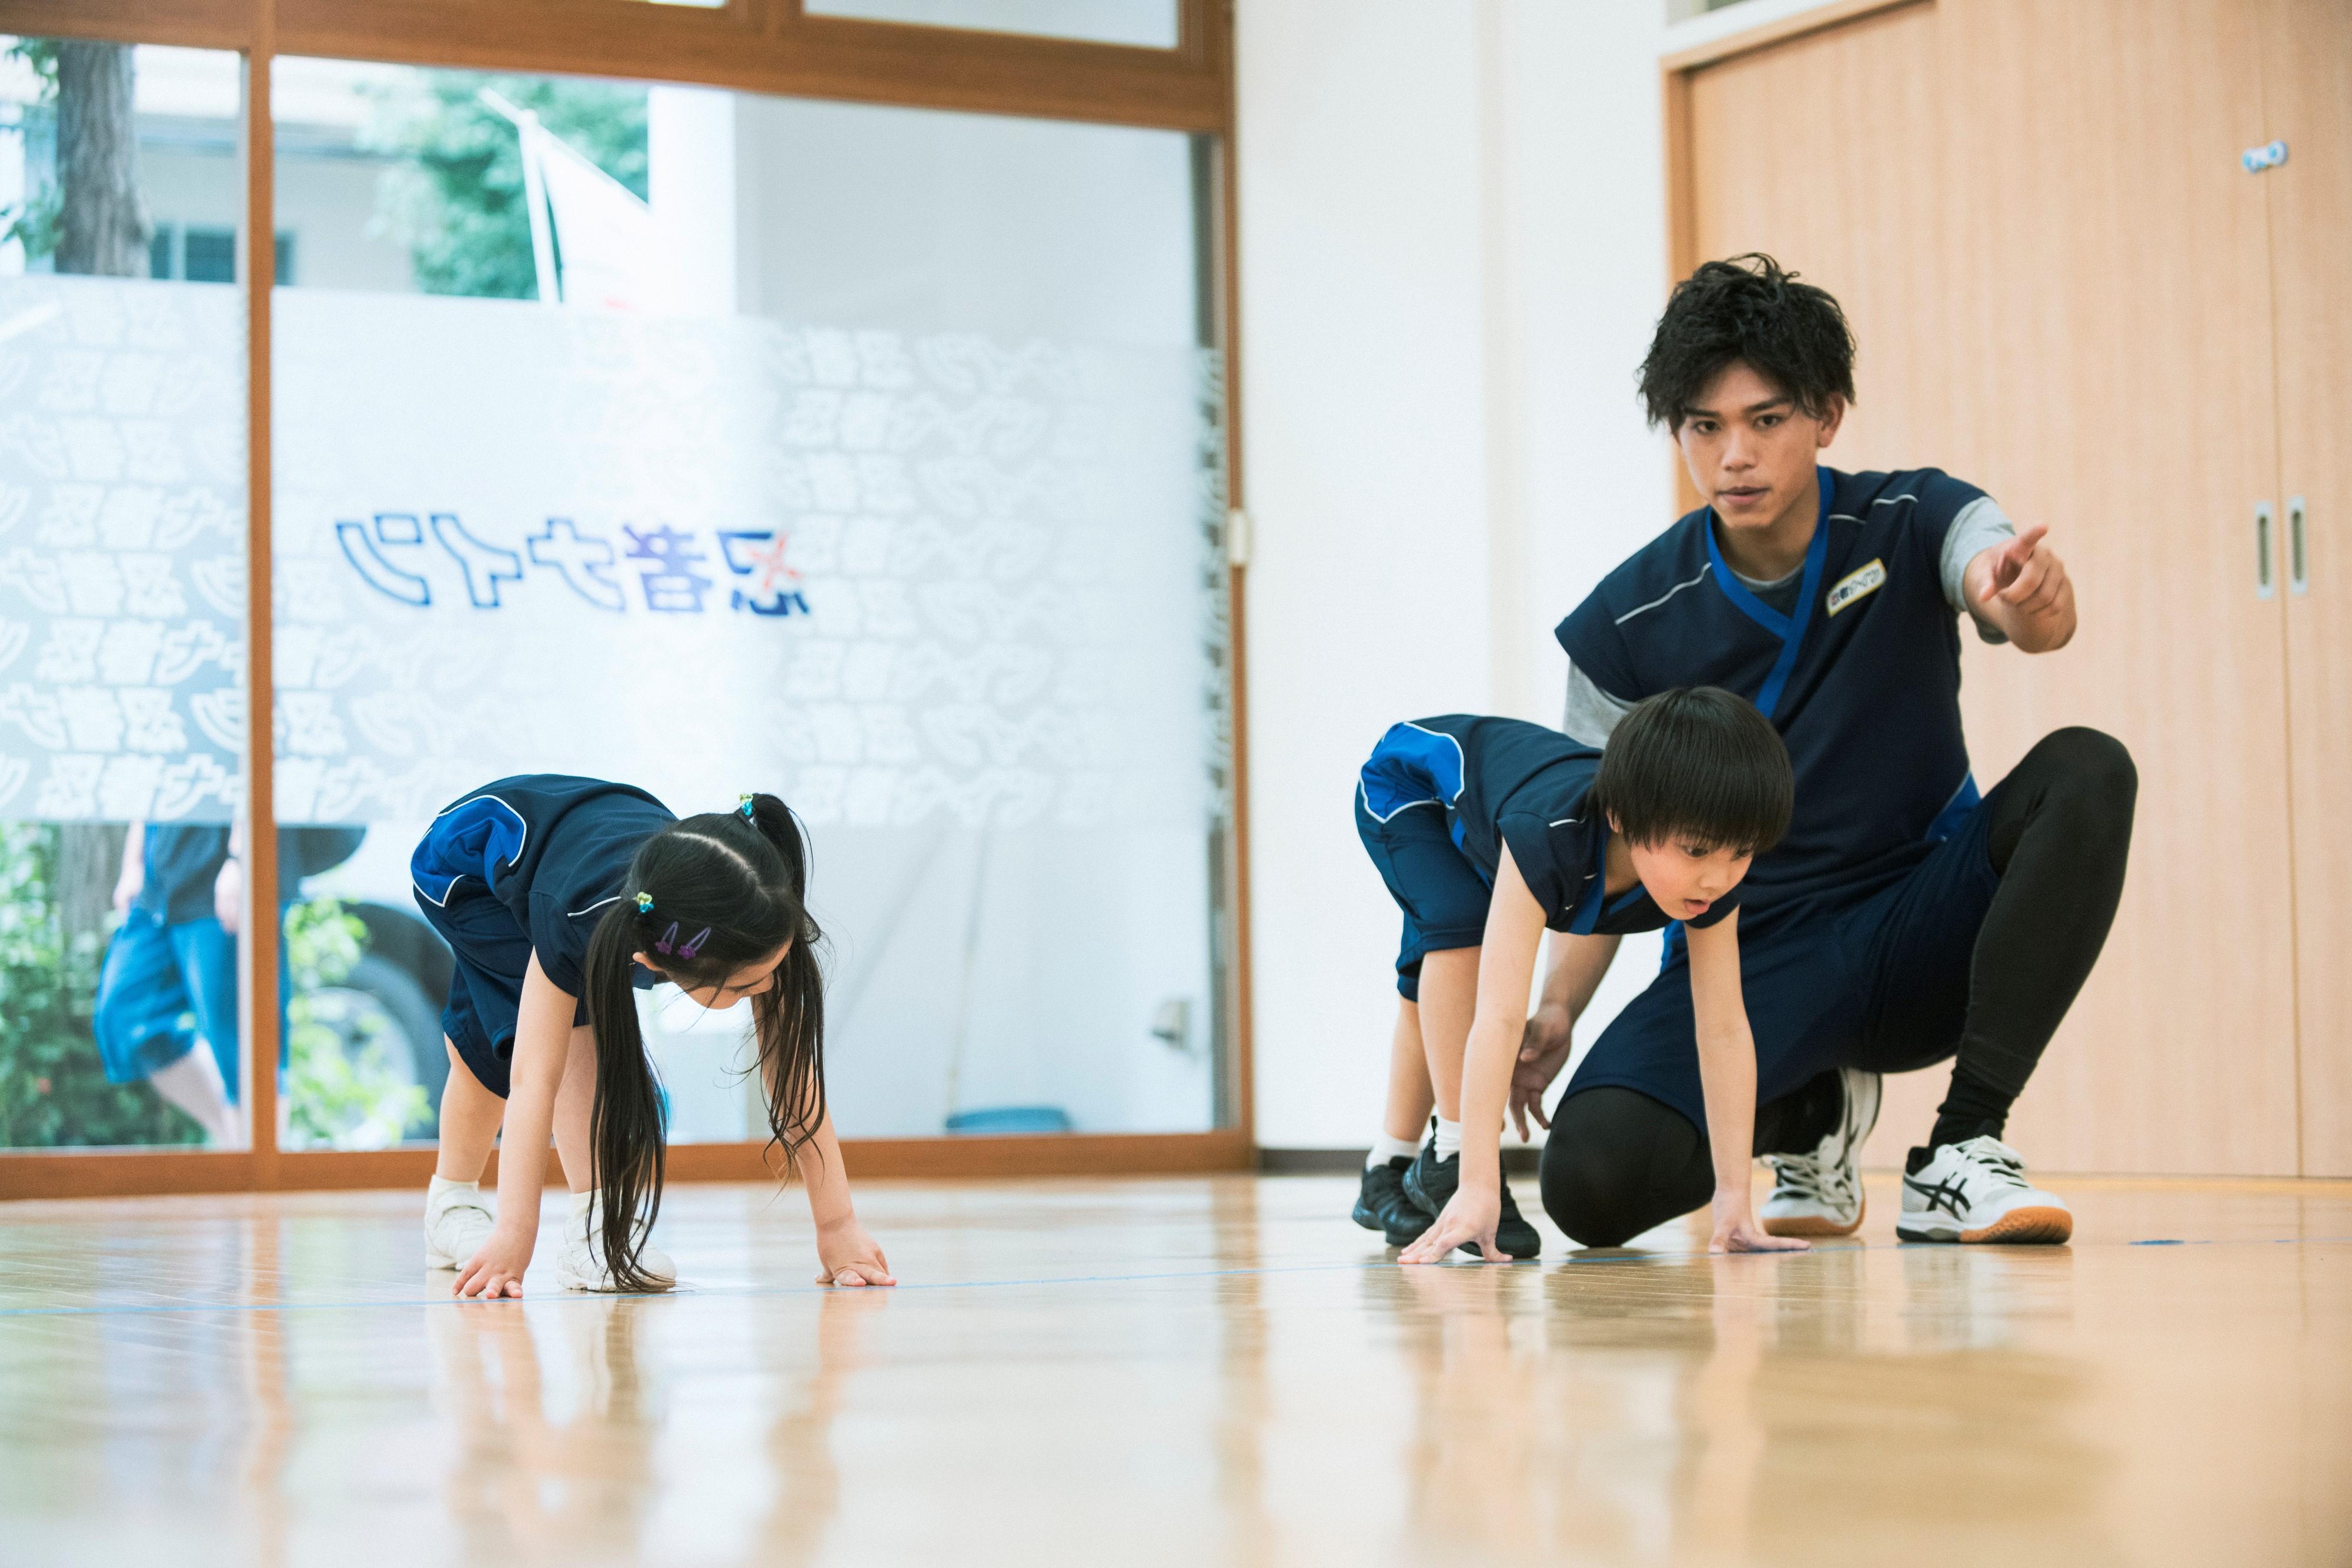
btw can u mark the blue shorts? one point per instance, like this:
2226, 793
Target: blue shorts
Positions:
1440, 890
492, 955
161, 989
1877, 980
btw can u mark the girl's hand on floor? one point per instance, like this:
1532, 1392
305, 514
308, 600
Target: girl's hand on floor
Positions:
849, 1256
1736, 1229
497, 1269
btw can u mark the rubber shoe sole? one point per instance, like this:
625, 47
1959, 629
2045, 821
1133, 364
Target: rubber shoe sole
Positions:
573, 1274
1815, 1224
2032, 1226
1404, 1226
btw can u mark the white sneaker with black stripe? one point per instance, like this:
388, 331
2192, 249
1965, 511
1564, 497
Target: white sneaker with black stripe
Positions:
1977, 1191
1821, 1194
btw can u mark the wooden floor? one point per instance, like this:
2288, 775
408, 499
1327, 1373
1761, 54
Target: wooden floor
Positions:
1204, 1371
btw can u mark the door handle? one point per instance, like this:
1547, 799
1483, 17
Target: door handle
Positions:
2298, 549
2264, 585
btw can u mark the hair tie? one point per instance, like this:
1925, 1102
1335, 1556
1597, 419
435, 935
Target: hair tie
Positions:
743, 804
645, 904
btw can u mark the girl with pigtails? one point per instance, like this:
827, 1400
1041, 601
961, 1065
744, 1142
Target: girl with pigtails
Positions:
561, 898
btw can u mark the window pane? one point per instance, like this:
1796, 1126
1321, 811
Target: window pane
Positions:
1152, 24
868, 457
122, 615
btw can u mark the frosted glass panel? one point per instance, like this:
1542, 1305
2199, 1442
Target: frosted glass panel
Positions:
121, 709
121, 549
1149, 23
949, 597
869, 456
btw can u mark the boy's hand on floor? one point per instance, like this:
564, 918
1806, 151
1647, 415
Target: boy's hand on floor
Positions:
1468, 1217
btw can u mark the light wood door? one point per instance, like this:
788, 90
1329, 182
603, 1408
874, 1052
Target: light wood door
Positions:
2058, 275
2307, 103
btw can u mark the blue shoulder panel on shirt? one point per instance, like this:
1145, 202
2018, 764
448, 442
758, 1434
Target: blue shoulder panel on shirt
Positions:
1411, 767
470, 839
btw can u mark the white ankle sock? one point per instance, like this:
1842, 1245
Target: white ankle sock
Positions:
581, 1202
441, 1186
1385, 1148
1449, 1138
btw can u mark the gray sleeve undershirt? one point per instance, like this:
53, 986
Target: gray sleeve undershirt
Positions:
1591, 713
1981, 526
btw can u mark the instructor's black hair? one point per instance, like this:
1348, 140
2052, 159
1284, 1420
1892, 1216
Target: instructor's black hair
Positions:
1697, 763
741, 882
1747, 308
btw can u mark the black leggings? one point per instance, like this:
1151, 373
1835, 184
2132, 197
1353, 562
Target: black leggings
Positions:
1618, 1162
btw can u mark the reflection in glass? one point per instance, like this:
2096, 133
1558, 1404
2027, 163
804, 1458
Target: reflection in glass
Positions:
710, 442
121, 574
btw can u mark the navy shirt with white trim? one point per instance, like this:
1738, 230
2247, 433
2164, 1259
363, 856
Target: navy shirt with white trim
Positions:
554, 849
1861, 673
1500, 780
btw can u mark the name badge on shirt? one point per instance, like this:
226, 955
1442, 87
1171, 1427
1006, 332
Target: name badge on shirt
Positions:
1856, 585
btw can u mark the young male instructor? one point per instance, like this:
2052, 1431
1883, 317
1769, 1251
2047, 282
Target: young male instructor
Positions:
1903, 921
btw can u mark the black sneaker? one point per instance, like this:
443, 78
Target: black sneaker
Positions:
1381, 1204
1513, 1236
1431, 1184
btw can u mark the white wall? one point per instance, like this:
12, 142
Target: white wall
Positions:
1452, 253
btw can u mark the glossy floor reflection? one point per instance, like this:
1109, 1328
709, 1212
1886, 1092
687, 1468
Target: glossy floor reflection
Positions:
1202, 1371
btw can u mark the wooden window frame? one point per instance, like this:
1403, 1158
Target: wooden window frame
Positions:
751, 46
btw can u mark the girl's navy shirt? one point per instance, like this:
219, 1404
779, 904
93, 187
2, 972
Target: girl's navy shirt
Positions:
1500, 780
554, 849
1861, 678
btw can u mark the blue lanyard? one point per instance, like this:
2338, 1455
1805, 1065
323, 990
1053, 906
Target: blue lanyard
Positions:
1791, 629
1596, 901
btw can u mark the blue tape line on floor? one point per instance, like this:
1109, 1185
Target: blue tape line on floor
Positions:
1586, 1259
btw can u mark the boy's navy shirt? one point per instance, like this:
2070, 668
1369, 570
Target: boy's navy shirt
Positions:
1861, 678
1500, 780
554, 849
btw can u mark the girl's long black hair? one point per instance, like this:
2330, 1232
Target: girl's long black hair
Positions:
726, 890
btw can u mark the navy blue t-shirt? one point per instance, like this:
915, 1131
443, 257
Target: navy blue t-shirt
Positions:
1501, 781
1861, 678
553, 849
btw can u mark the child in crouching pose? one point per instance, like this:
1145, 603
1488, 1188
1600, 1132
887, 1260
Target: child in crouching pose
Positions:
561, 897
1488, 831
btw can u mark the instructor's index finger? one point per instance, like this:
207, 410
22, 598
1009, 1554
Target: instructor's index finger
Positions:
2026, 583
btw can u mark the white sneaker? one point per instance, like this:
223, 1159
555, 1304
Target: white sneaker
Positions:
457, 1222
1821, 1194
1977, 1191
580, 1266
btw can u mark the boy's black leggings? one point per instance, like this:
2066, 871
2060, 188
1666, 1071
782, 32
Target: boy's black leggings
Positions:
1618, 1162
